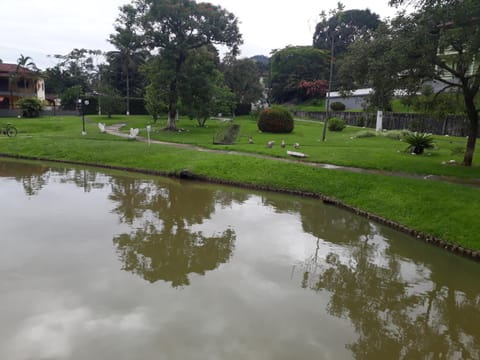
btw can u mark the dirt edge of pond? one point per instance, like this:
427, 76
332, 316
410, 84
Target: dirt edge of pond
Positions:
186, 174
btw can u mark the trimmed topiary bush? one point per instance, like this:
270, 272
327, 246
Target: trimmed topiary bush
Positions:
275, 120
337, 106
336, 124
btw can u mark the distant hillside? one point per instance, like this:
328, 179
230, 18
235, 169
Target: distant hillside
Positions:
263, 64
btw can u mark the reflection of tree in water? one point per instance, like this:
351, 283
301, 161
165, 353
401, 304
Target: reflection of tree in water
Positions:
322, 221
32, 176
332, 224
164, 247
162, 255
83, 178
130, 195
395, 319
35, 176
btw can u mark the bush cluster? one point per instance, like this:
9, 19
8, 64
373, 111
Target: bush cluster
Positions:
30, 107
336, 124
337, 106
365, 134
275, 120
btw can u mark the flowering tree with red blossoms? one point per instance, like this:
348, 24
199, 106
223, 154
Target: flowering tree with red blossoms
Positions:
313, 89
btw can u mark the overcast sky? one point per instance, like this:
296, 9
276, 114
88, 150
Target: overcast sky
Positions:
39, 28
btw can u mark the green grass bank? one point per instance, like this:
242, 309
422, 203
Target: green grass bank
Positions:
443, 210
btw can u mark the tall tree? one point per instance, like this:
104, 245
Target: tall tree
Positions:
175, 28
372, 62
243, 79
441, 41
78, 68
202, 87
129, 56
343, 28
291, 65
24, 63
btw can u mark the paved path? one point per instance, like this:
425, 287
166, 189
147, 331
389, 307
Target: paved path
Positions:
115, 130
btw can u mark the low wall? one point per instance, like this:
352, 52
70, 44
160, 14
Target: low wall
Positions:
49, 112
454, 125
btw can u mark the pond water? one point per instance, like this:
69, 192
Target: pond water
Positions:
106, 265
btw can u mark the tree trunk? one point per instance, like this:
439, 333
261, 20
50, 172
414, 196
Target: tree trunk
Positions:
172, 107
173, 97
473, 131
128, 92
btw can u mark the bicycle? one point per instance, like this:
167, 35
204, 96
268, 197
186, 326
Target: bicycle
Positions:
9, 130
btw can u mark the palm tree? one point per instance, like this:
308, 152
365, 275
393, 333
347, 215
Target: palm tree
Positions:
128, 56
25, 62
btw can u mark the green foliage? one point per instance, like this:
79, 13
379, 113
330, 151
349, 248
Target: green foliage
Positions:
111, 102
202, 88
293, 64
365, 134
372, 62
31, 107
275, 120
337, 106
243, 79
418, 142
122, 72
344, 26
336, 124
396, 134
154, 101
77, 68
69, 97
228, 135
184, 27
439, 105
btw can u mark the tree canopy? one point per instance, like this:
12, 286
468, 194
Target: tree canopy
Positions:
124, 62
243, 78
440, 41
291, 65
174, 29
344, 28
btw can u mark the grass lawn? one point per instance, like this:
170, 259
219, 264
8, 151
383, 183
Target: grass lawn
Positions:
341, 148
444, 210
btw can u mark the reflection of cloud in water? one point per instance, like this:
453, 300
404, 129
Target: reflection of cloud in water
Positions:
55, 334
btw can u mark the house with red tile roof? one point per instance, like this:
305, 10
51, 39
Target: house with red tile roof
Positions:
17, 82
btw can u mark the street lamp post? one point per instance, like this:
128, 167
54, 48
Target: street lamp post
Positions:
82, 109
327, 100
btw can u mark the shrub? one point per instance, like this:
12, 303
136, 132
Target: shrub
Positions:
366, 134
243, 109
30, 106
396, 134
275, 120
336, 124
418, 142
337, 106
227, 135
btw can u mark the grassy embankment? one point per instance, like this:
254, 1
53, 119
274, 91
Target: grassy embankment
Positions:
444, 210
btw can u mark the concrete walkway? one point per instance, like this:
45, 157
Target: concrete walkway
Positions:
115, 130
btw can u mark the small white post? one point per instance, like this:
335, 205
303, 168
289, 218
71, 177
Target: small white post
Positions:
149, 128
379, 120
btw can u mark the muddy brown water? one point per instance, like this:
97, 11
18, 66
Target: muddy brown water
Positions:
107, 265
